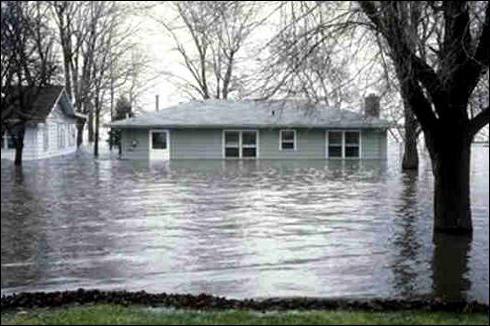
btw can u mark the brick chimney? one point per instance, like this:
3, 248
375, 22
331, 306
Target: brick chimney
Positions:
371, 106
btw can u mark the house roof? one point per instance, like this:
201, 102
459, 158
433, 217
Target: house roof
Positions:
250, 114
41, 102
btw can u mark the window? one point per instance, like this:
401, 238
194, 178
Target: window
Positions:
68, 135
335, 144
352, 143
249, 144
344, 144
232, 144
71, 134
287, 140
58, 135
8, 141
240, 144
159, 140
61, 136
46, 137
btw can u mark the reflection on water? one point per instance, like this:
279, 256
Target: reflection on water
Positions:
240, 229
406, 241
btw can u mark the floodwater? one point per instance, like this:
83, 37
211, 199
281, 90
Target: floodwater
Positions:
238, 229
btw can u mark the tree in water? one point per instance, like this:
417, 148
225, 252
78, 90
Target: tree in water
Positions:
438, 85
123, 110
439, 53
27, 65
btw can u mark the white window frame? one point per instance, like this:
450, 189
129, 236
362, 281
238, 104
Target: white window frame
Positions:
46, 137
295, 140
63, 136
240, 144
343, 157
59, 134
70, 138
67, 135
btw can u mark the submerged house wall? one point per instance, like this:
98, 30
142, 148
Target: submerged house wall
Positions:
208, 144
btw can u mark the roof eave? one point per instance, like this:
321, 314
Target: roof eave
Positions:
188, 126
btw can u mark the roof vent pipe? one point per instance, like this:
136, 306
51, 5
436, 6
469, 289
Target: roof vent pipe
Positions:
156, 103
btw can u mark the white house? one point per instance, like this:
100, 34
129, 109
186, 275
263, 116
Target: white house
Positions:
52, 129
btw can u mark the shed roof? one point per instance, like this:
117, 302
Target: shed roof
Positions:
251, 114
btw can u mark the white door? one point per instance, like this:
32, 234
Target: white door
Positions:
159, 145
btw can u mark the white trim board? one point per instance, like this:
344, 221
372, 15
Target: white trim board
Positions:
158, 154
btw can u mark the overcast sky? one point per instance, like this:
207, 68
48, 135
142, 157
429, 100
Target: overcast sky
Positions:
159, 46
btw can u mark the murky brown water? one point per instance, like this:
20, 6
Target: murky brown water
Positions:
240, 229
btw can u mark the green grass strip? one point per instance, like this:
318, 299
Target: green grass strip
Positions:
135, 315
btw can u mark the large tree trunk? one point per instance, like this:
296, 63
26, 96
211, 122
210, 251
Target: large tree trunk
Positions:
96, 138
449, 266
19, 132
67, 67
451, 168
80, 126
410, 154
91, 126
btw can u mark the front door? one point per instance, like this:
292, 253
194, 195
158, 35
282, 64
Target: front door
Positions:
159, 145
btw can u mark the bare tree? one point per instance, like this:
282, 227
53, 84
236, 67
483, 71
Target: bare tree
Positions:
400, 112
113, 61
478, 102
95, 38
312, 57
438, 78
28, 64
122, 110
439, 53
130, 77
141, 75
73, 22
305, 60
217, 32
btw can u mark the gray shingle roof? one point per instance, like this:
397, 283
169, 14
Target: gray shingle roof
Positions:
40, 102
250, 114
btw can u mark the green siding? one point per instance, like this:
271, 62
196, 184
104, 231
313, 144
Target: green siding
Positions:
196, 144
310, 144
373, 144
207, 144
141, 151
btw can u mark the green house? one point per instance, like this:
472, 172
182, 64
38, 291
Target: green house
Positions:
255, 129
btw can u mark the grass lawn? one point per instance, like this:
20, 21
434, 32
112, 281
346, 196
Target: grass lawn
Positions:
112, 314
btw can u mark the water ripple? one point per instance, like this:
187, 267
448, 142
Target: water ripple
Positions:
240, 229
